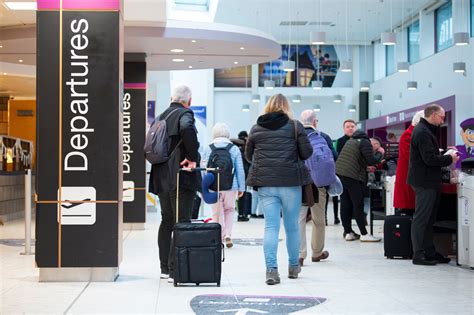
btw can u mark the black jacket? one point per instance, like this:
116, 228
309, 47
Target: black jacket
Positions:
276, 152
341, 142
355, 156
424, 169
180, 126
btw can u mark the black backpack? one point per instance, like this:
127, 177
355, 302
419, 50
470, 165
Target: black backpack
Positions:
221, 158
156, 142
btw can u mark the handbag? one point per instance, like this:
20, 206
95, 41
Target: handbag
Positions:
307, 197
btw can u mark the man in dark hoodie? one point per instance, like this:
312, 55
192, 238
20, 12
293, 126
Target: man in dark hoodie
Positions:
424, 175
351, 167
183, 148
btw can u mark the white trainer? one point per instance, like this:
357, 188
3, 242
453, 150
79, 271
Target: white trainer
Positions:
351, 236
164, 276
170, 280
369, 238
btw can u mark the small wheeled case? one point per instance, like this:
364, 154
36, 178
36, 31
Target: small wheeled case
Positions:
397, 236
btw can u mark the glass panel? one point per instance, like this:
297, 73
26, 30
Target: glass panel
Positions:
472, 18
444, 27
192, 5
414, 42
389, 59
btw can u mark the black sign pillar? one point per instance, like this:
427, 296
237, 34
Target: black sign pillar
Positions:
134, 125
79, 140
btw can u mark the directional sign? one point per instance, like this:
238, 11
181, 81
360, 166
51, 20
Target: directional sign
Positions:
252, 304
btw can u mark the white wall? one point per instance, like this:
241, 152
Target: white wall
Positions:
427, 34
379, 61
436, 80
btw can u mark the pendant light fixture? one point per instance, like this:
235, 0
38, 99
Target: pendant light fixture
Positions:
318, 84
319, 37
317, 108
346, 66
288, 65
412, 85
246, 108
403, 66
459, 67
296, 98
364, 86
377, 98
269, 84
337, 98
389, 38
352, 108
461, 39
255, 98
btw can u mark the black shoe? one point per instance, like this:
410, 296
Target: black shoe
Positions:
424, 261
242, 218
260, 216
439, 258
337, 221
253, 216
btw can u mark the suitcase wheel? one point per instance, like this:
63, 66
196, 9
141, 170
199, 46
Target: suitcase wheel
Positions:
218, 284
197, 284
175, 283
389, 257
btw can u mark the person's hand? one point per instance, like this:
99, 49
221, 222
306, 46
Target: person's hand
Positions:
381, 150
187, 164
371, 169
241, 193
455, 157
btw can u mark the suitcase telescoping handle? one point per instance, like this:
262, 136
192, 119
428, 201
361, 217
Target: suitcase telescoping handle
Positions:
196, 169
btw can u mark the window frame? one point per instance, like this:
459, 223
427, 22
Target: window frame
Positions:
436, 17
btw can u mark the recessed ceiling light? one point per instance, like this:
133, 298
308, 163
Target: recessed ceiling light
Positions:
236, 62
193, 41
21, 5
20, 60
1, 46
242, 48
190, 67
4, 73
176, 50
178, 60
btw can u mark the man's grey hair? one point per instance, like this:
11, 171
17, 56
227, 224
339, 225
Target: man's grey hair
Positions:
220, 130
416, 118
181, 94
431, 109
308, 117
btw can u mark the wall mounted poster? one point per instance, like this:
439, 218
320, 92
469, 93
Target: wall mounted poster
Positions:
312, 62
238, 77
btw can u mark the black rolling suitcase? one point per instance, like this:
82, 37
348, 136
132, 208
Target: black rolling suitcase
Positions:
397, 236
198, 250
245, 204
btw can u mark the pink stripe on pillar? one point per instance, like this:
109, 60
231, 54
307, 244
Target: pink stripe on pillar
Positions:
134, 85
112, 5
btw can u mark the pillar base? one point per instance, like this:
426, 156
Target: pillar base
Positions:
134, 226
80, 274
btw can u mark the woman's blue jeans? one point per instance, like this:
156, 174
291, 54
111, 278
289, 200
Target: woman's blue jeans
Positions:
272, 201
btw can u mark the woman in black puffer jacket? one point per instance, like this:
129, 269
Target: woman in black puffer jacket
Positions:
276, 147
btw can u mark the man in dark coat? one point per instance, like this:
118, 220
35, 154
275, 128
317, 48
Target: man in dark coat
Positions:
424, 175
183, 148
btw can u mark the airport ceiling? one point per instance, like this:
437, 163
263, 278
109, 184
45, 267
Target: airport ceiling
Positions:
256, 25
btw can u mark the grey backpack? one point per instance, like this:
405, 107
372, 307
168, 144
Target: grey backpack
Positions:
156, 141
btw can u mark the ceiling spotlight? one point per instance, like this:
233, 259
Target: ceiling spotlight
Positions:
256, 98
352, 108
288, 65
236, 62
459, 67
388, 38
1, 46
377, 98
346, 66
269, 84
20, 60
178, 60
337, 98
190, 67
317, 85
177, 50
412, 85
4, 73
461, 39
246, 108
296, 98
403, 66
364, 86
242, 48
317, 108
317, 38
193, 41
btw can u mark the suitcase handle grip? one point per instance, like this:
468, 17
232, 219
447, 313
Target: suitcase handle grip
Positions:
198, 169
223, 253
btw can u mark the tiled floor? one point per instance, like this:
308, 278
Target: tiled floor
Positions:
356, 279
